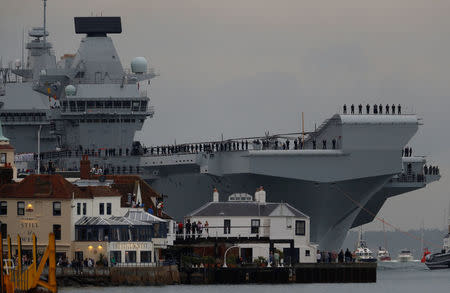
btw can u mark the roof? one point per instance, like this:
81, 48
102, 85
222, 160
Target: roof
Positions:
52, 186
142, 216
246, 209
111, 221
40, 186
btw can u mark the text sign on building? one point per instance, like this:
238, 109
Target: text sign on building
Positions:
130, 246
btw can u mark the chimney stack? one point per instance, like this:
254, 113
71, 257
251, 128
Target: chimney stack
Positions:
215, 195
85, 167
260, 195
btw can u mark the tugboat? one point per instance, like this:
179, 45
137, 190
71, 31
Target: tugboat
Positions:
362, 252
383, 254
440, 260
405, 255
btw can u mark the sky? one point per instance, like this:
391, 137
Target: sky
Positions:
243, 67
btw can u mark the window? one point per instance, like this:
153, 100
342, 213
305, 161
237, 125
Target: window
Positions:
255, 226
20, 208
307, 252
3, 208
226, 226
56, 208
108, 208
84, 208
101, 208
4, 230
146, 256
78, 208
300, 228
130, 256
57, 231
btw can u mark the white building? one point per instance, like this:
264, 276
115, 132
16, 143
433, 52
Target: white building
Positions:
241, 218
129, 234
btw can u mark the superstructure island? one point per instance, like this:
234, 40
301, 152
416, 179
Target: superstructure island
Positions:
341, 174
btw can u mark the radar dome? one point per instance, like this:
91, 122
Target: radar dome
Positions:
139, 65
70, 90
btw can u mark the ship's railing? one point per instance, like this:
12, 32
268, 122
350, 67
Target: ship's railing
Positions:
409, 178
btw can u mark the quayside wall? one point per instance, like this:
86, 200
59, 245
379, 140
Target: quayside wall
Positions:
169, 275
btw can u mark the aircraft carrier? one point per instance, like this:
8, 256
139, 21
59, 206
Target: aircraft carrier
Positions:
53, 111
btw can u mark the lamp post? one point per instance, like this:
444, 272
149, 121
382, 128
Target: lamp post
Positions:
225, 255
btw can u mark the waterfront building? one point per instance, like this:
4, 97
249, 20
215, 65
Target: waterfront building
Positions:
133, 239
39, 204
255, 226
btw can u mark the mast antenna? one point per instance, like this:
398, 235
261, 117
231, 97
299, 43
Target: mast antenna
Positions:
45, 23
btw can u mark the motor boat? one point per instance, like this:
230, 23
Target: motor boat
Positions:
362, 252
440, 260
383, 254
405, 255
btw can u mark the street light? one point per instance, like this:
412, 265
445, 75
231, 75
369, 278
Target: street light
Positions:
225, 255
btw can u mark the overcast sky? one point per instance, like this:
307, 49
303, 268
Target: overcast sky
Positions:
241, 67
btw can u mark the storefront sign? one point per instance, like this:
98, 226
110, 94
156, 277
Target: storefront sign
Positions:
130, 246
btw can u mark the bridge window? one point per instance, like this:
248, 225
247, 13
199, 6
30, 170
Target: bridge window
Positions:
135, 106
126, 104
143, 105
90, 105
81, 105
108, 104
99, 105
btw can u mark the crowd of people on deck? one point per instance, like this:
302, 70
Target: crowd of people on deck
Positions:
376, 109
431, 170
193, 230
334, 257
407, 152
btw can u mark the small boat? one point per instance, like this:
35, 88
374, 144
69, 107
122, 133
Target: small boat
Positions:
362, 252
383, 254
440, 260
405, 255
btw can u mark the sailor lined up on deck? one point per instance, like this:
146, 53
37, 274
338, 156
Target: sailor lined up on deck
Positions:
377, 109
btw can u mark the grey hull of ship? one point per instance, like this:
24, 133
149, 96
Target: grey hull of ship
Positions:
329, 205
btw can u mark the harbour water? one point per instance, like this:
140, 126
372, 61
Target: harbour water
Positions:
393, 277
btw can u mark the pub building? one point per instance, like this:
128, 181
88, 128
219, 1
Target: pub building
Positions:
39, 204
132, 239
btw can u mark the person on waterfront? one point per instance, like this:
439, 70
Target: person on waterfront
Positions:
188, 228
199, 228
348, 256
207, 228
180, 227
318, 256
334, 143
194, 229
341, 256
